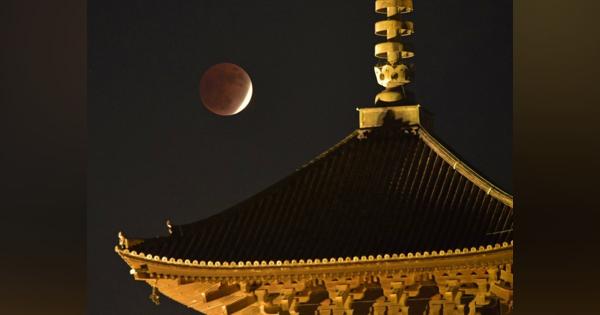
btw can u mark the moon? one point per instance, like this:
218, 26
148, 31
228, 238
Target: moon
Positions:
225, 89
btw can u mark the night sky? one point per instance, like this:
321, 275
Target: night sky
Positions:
155, 153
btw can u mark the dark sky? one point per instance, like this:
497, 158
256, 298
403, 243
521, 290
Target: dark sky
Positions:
156, 153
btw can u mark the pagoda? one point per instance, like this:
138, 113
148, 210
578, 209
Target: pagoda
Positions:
386, 222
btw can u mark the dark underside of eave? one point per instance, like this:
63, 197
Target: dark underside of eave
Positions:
388, 193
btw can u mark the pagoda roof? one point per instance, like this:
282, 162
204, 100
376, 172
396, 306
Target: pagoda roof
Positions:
380, 191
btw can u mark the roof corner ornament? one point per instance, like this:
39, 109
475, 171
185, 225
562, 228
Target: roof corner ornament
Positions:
390, 72
122, 241
169, 226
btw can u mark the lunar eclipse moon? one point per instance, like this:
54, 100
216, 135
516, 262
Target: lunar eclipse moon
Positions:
225, 89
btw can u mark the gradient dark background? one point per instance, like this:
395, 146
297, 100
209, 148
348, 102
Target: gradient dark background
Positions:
44, 156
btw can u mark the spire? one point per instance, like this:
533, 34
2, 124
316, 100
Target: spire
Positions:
393, 103
390, 72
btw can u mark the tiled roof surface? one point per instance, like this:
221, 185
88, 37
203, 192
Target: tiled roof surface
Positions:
387, 192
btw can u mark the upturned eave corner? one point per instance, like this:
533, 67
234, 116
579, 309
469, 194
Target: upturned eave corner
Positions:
125, 242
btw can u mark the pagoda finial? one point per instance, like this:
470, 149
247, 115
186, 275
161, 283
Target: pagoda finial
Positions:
390, 72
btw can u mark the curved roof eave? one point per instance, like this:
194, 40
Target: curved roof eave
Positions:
418, 261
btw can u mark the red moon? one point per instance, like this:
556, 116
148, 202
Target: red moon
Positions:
225, 89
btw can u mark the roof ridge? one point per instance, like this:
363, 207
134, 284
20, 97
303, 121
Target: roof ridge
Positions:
331, 149
465, 170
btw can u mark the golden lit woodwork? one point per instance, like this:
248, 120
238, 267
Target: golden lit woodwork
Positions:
386, 222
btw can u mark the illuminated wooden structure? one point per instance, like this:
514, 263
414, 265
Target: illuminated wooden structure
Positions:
386, 222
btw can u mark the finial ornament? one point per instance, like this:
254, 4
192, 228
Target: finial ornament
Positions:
390, 72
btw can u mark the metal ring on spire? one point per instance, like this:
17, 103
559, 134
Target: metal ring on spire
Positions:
391, 50
392, 28
393, 7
